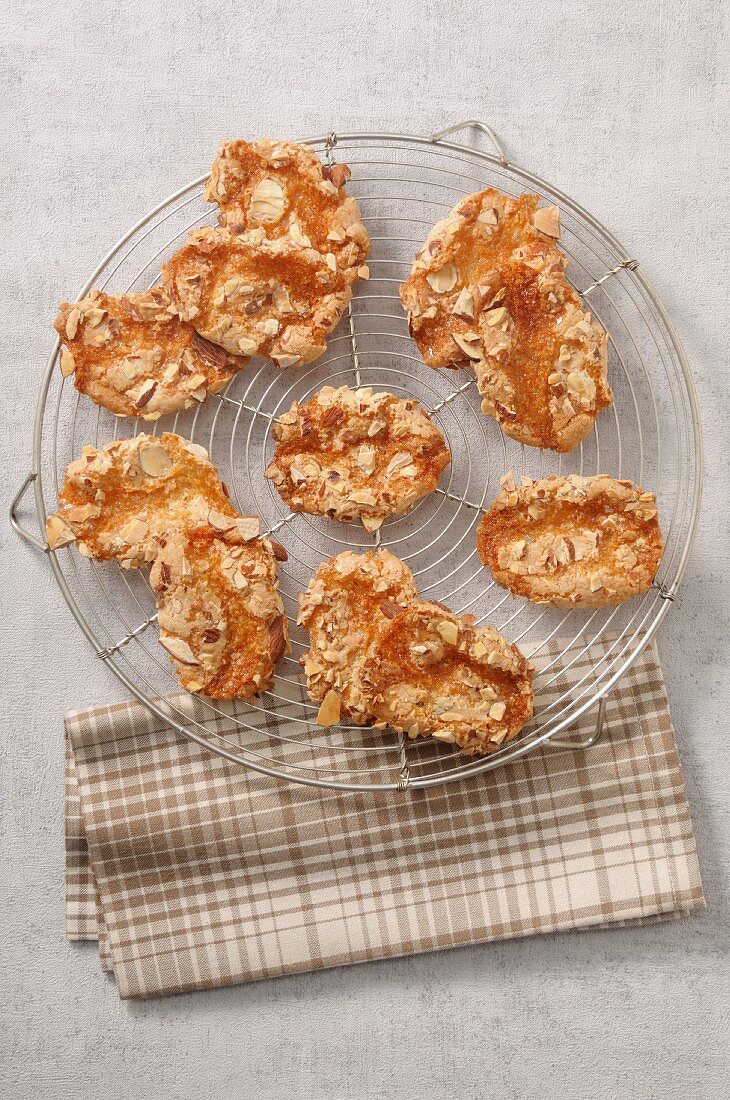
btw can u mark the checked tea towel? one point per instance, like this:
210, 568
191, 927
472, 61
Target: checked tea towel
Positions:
193, 872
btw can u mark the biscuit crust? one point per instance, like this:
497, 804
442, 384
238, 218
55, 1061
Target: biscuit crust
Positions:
489, 288
430, 673
356, 455
267, 298
119, 501
381, 655
221, 618
132, 355
350, 598
160, 502
572, 541
283, 189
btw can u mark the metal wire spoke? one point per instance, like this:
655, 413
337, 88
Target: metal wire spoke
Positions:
651, 435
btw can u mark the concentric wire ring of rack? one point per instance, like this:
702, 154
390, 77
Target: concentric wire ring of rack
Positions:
651, 435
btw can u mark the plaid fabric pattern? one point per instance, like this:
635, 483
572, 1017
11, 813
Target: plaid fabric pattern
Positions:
193, 872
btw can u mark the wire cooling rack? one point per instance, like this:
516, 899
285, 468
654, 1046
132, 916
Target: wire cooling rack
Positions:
651, 435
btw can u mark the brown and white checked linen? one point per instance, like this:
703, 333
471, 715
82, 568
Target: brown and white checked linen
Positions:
193, 872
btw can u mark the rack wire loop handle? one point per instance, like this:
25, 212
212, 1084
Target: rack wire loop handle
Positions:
15, 522
474, 124
586, 742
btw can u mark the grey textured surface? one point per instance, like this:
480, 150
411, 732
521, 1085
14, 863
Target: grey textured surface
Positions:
107, 108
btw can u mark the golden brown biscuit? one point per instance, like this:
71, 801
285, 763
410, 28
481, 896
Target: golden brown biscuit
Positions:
220, 614
380, 654
567, 541
349, 599
119, 501
133, 356
284, 190
489, 288
355, 454
430, 673
160, 500
268, 298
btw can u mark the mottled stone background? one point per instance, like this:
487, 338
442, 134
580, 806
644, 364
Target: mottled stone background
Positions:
107, 107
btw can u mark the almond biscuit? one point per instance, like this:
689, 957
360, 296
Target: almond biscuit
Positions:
256, 297
281, 188
489, 289
160, 502
572, 541
430, 673
219, 610
117, 501
354, 454
350, 598
132, 354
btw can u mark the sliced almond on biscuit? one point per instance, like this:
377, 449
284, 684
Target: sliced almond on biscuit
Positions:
249, 527
329, 711
68, 363
155, 459
547, 220
58, 533
471, 348
444, 280
464, 304
267, 201
444, 735
449, 631
220, 521
179, 649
